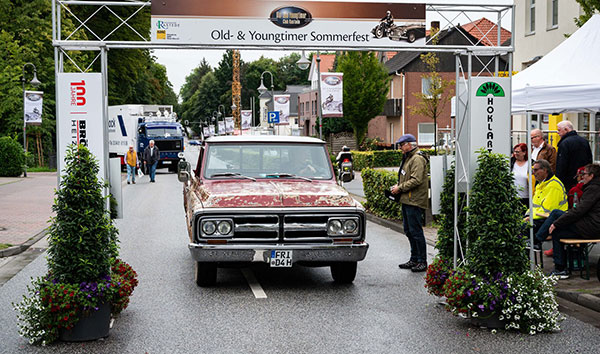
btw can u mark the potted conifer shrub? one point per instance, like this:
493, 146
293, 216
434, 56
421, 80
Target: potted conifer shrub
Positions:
495, 285
86, 282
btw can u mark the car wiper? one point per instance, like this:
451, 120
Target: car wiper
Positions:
287, 175
232, 174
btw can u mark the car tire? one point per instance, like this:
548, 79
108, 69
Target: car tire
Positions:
344, 272
411, 36
206, 274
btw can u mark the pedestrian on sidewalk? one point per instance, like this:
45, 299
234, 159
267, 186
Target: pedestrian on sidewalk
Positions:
151, 157
413, 190
132, 164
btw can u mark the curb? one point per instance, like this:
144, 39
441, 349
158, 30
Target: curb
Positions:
586, 300
14, 250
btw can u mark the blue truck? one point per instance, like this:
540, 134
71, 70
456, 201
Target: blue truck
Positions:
136, 125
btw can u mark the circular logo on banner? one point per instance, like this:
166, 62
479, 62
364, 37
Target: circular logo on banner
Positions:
332, 80
281, 99
490, 88
290, 17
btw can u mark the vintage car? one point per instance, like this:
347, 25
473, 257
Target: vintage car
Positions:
270, 199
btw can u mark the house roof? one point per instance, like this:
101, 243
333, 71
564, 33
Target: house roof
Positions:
400, 60
326, 62
486, 32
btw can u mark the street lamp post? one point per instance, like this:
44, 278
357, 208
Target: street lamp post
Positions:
262, 89
303, 64
35, 83
216, 117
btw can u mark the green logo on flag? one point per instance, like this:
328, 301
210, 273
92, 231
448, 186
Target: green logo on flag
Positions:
490, 88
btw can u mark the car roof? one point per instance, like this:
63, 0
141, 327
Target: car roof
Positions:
263, 139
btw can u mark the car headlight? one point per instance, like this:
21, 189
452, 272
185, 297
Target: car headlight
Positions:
209, 227
224, 227
350, 225
342, 226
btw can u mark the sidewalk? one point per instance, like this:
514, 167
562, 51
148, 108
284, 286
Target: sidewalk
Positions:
26, 207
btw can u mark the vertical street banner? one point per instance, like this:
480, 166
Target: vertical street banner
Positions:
332, 93
229, 125
304, 23
33, 107
282, 105
206, 132
489, 118
79, 119
221, 127
211, 130
246, 119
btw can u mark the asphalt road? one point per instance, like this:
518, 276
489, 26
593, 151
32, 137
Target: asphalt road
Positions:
258, 309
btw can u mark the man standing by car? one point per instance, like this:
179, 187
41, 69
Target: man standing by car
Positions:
413, 189
573, 152
151, 157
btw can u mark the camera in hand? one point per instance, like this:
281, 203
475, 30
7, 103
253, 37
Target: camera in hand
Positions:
391, 196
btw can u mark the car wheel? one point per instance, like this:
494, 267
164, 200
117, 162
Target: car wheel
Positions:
344, 272
206, 274
411, 36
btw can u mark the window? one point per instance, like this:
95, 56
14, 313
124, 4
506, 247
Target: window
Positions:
426, 86
552, 17
426, 134
531, 17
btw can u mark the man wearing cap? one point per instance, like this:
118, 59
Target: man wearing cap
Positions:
413, 189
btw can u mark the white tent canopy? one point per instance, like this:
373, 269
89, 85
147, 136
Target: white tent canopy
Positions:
565, 80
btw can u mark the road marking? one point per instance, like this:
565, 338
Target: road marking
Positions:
258, 291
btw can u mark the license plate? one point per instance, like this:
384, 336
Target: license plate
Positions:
166, 162
281, 258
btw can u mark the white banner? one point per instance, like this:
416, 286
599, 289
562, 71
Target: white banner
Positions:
282, 105
79, 119
246, 119
221, 127
332, 93
206, 132
211, 129
33, 107
309, 24
228, 125
488, 122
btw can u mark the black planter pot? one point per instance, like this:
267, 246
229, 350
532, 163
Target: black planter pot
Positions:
91, 327
488, 319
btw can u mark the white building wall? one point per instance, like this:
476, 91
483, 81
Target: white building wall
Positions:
528, 44
542, 40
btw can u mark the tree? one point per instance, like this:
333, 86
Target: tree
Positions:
366, 85
432, 102
589, 8
192, 81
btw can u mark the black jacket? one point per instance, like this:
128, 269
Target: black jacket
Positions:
573, 152
586, 216
151, 158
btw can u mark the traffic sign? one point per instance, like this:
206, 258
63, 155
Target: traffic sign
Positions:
273, 117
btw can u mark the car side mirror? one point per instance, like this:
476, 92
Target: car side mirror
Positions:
184, 171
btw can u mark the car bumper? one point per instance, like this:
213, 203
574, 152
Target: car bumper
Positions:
262, 253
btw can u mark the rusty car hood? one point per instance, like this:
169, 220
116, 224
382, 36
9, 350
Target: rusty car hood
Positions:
272, 194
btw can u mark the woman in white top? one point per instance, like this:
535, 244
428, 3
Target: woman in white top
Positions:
520, 169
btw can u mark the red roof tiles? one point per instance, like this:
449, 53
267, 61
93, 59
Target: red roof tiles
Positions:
486, 32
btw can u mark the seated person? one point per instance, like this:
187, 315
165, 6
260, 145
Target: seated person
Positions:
549, 194
583, 221
300, 163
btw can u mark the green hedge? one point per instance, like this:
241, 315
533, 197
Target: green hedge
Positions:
375, 182
12, 157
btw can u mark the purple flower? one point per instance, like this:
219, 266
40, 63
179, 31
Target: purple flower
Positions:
476, 288
481, 307
491, 307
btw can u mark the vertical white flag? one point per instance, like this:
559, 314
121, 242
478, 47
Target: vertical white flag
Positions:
246, 119
282, 105
332, 93
33, 107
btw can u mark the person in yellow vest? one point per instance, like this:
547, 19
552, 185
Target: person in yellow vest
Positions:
132, 163
550, 194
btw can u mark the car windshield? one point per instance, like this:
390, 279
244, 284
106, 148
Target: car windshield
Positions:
282, 161
155, 132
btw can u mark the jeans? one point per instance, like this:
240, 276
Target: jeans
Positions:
560, 256
130, 173
542, 232
153, 171
413, 219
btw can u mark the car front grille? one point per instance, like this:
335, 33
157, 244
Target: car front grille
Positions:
280, 227
168, 145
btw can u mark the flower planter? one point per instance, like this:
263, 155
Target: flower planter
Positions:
488, 319
91, 327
